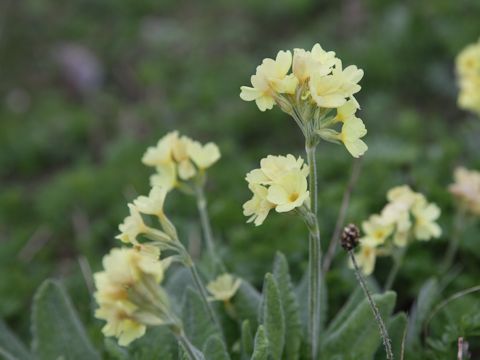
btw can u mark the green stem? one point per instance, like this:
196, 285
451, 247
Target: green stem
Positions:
387, 343
203, 294
397, 262
192, 352
454, 240
314, 254
310, 149
206, 227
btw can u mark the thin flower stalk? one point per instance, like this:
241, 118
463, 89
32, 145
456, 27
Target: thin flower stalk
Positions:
207, 228
387, 343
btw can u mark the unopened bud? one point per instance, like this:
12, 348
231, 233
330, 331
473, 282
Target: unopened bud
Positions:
350, 237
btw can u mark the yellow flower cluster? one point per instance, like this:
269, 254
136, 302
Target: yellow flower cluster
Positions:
179, 158
466, 189
280, 183
126, 287
133, 225
224, 287
407, 215
468, 72
318, 83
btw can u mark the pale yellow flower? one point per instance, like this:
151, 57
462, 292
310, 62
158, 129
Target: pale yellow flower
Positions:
353, 130
289, 191
366, 256
272, 168
466, 189
166, 176
181, 156
271, 78
122, 294
120, 322
132, 226
347, 110
161, 153
153, 203
203, 156
425, 215
468, 71
377, 230
332, 90
224, 287
316, 61
258, 207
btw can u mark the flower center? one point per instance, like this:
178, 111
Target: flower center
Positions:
293, 197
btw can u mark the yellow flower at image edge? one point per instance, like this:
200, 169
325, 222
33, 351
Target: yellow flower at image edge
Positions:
271, 78
353, 130
224, 287
466, 189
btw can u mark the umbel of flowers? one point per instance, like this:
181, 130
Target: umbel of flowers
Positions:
468, 73
315, 89
407, 216
280, 183
129, 292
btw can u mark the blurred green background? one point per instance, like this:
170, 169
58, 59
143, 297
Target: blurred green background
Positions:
86, 86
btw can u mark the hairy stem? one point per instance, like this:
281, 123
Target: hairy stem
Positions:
206, 227
387, 343
314, 253
203, 294
332, 247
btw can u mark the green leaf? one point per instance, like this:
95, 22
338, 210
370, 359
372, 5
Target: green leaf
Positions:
261, 347
158, 340
114, 350
293, 328
197, 323
215, 349
426, 298
358, 337
57, 330
247, 340
11, 346
355, 298
396, 329
273, 317
247, 303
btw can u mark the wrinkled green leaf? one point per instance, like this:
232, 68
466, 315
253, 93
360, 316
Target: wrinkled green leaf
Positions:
273, 317
358, 337
158, 340
261, 347
57, 330
247, 302
293, 329
422, 307
247, 340
11, 346
215, 349
197, 323
355, 298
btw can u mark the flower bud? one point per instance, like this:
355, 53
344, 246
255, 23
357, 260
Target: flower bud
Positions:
350, 237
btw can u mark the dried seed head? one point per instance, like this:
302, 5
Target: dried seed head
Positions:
350, 237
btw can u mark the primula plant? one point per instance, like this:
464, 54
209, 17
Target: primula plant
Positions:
155, 299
